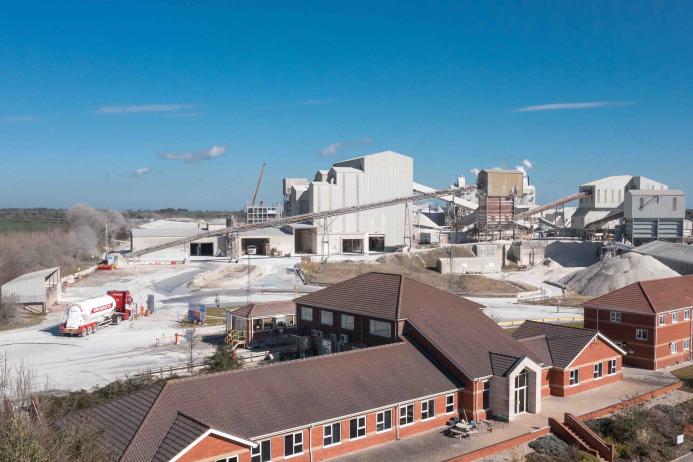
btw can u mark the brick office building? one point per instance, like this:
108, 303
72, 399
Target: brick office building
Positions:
444, 358
650, 320
574, 359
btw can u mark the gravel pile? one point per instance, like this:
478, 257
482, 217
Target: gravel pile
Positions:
616, 272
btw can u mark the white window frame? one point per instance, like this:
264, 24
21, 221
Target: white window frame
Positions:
427, 410
360, 419
372, 329
380, 420
598, 371
326, 314
404, 408
615, 316
641, 334
661, 319
346, 325
306, 313
259, 453
331, 428
450, 403
686, 344
674, 317
673, 347
686, 315
228, 459
293, 445
611, 367
576, 379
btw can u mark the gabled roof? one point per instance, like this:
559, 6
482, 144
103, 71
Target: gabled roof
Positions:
266, 309
40, 274
370, 294
252, 403
648, 297
561, 344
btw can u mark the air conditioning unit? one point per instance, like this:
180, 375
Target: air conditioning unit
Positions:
333, 337
314, 332
343, 338
318, 333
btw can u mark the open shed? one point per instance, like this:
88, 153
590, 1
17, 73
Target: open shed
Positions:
39, 288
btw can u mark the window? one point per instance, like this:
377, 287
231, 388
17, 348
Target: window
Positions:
662, 319
642, 203
346, 322
383, 421
686, 345
406, 414
673, 347
575, 377
428, 409
486, 394
641, 334
686, 314
228, 459
615, 316
612, 367
357, 428
326, 317
449, 404
620, 195
332, 434
675, 316
674, 204
293, 444
380, 328
262, 452
598, 370
306, 313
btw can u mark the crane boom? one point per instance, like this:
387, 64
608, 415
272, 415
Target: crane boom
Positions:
257, 186
299, 218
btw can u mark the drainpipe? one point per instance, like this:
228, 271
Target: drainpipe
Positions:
310, 442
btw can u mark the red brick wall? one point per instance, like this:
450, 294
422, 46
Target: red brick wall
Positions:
596, 351
652, 353
213, 448
545, 382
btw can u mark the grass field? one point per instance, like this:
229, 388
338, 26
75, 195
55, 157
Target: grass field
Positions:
8, 225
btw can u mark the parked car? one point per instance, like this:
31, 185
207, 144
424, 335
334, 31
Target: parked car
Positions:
251, 250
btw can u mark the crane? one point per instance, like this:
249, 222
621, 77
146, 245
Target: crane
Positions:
257, 186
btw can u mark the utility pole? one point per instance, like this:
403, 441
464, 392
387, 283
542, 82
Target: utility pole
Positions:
108, 247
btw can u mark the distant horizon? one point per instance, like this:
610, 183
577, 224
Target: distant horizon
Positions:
139, 106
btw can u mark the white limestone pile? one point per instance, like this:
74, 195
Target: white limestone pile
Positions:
616, 272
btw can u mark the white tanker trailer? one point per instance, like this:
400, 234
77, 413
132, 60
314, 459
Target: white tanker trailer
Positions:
84, 317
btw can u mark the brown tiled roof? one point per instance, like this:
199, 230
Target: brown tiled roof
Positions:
458, 328
371, 294
564, 343
266, 309
182, 433
648, 297
121, 418
540, 347
249, 403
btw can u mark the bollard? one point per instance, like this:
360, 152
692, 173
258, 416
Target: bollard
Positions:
157, 342
177, 338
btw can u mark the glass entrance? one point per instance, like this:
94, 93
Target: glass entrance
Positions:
521, 388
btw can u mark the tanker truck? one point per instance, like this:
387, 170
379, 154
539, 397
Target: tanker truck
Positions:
85, 317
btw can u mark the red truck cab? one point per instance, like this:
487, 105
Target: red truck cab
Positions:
123, 301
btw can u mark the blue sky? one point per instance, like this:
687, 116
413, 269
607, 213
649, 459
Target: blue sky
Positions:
177, 104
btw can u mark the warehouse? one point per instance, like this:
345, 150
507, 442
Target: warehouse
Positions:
40, 288
362, 180
164, 231
654, 215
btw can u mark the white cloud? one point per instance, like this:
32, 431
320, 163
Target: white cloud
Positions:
140, 172
144, 108
193, 157
520, 168
571, 106
474, 171
528, 164
335, 148
18, 119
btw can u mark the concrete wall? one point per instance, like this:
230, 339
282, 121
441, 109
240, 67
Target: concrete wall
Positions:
654, 205
565, 253
464, 265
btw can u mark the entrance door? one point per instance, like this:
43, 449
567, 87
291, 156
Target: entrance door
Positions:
521, 389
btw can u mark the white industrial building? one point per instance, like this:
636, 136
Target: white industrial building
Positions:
40, 288
603, 208
165, 231
362, 180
